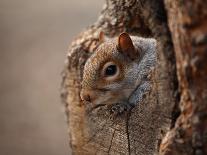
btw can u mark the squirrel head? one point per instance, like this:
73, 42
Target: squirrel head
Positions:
108, 74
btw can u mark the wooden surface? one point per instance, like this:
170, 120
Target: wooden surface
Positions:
189, 35
141, 131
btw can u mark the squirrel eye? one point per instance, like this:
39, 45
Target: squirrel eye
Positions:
111, 70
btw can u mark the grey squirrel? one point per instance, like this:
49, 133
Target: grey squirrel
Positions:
118, 72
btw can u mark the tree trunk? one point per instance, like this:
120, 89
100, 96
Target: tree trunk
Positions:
168, 121
189, 35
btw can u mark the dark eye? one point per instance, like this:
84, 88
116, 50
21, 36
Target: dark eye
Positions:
111, 70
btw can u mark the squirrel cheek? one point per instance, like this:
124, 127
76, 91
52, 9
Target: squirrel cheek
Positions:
121, 95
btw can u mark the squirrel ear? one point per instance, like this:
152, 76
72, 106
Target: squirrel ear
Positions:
101, 37
125, 45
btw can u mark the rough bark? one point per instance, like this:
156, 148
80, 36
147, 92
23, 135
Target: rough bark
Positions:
142, 131
189, 34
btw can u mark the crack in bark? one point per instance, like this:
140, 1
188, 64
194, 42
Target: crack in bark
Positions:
111, 141
128, 114
99, 131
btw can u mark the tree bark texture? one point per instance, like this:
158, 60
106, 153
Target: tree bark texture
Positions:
171, 119
189, 35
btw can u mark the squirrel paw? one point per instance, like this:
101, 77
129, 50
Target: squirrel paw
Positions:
120, 108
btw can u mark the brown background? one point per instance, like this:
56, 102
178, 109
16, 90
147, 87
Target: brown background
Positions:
34, 37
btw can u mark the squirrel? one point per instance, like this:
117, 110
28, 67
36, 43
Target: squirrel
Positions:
118, 73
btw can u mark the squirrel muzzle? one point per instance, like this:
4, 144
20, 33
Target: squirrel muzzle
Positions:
87, 95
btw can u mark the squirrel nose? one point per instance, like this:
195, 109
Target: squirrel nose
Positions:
86, 96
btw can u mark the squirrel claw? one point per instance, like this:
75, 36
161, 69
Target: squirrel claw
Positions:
120, 108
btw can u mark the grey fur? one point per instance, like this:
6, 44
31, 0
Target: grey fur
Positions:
143, 68
137, 80
140, 72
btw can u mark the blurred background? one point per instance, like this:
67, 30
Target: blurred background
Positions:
34, 38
